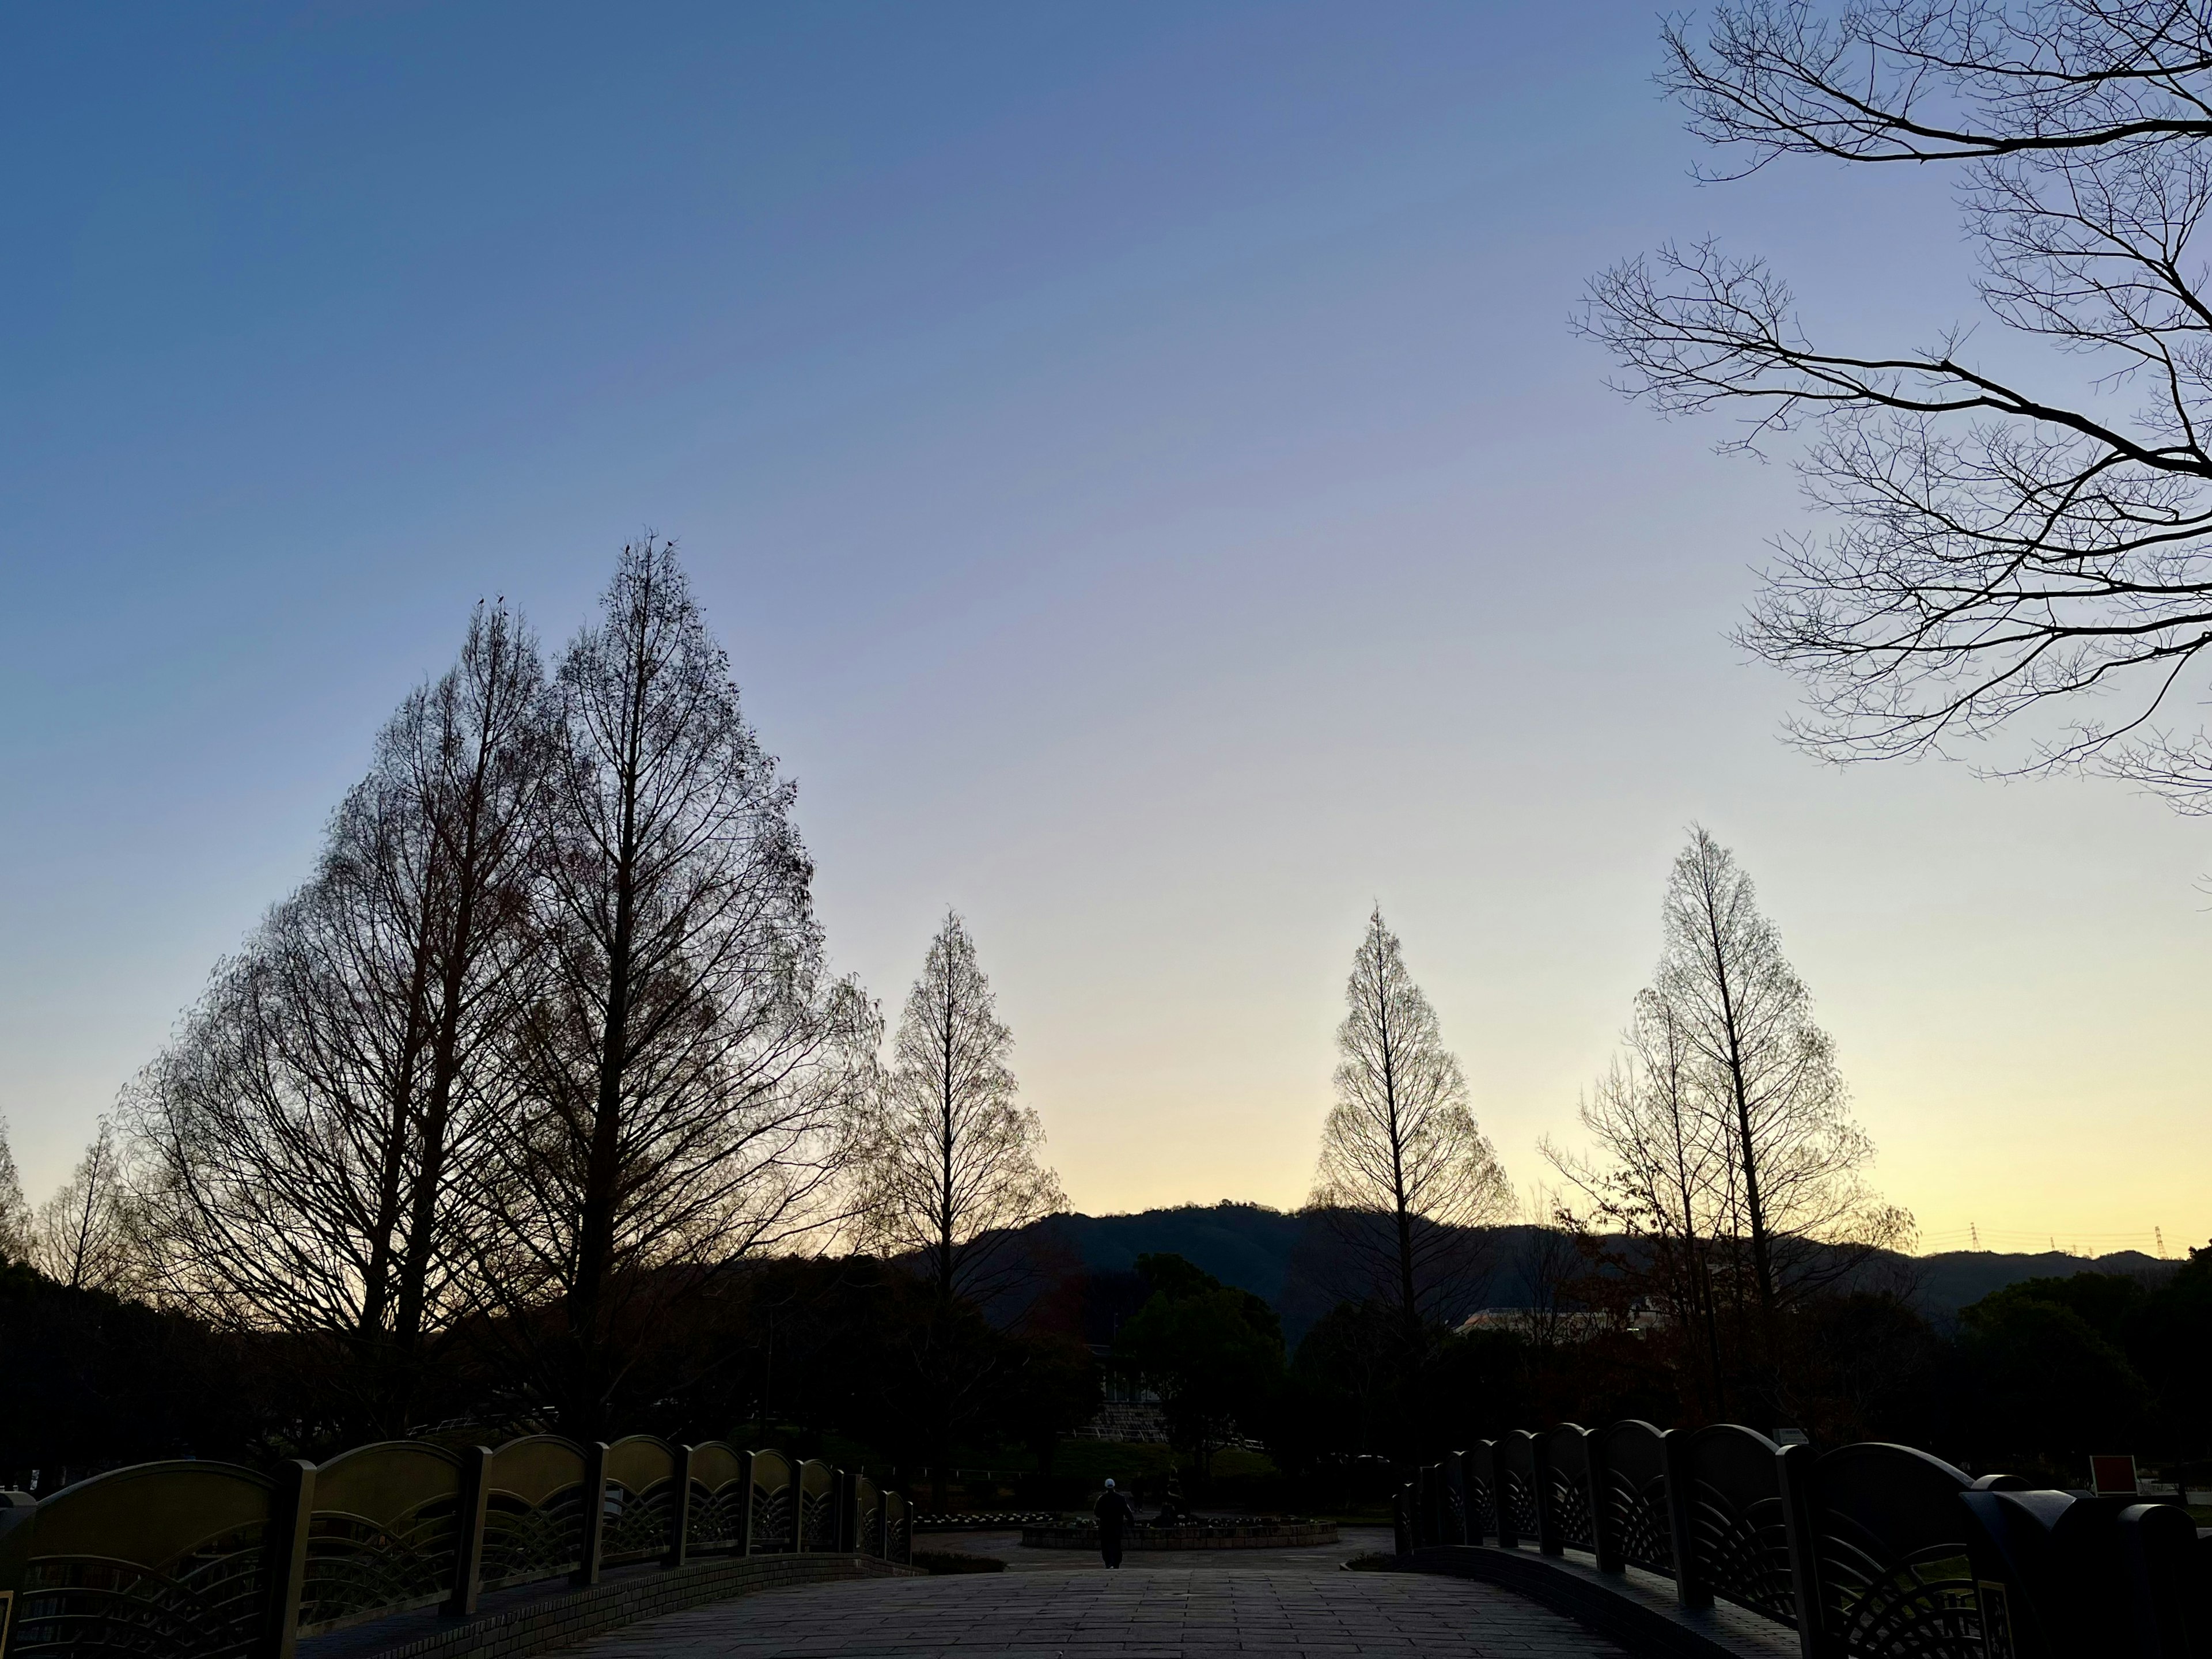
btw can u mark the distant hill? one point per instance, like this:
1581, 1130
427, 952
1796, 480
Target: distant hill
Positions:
1958, 1279
1275, 1255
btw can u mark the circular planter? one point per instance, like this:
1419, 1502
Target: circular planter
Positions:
1210, 1536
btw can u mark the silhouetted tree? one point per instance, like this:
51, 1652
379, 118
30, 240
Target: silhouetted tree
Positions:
2006, 542
1661, 1176
15, 1218
88, 1236
1796, 1193
1404, 1174
950, 1165
690, 1069
296, 1144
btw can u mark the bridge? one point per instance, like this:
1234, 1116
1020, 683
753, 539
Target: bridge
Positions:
1283, 1603
1713, 1542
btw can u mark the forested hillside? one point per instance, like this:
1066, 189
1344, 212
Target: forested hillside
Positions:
1273, 1253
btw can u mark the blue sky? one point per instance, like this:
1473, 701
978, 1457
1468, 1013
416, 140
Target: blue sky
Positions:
1137, 458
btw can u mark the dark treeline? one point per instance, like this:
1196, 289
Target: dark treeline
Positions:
861, 1357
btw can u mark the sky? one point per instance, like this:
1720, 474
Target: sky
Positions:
1138, 460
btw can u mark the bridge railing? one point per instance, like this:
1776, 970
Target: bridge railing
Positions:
1866, 1551
208, 1560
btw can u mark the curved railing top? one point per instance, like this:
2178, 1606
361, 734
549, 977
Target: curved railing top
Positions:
1627, 1426
716, 1463
387, 1480
1732, 1446
152, 1513
535, 1467
639, 1461
1908, 1496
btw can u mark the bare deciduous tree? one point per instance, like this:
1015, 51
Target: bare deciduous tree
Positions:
1794, 1197
295, 1144
952, 1161
14, 1218
1661, 1175
1406, 1177
87, 1236
691, 1061
2008, 541
1725, 1145
1550, 1265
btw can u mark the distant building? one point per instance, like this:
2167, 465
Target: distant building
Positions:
1578, 1326
1130, 1412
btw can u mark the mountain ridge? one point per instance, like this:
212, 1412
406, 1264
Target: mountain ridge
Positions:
1259, 1249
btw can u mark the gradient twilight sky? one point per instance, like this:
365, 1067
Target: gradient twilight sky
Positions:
1137, 459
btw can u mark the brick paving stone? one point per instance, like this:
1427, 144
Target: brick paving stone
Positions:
1139, 1612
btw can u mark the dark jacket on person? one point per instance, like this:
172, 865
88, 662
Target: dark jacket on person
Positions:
1114, 1512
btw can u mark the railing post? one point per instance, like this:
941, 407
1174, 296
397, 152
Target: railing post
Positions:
19, 1512
1794, 1467
2157, 1560
1608, 1546
469, 1534
595, 1514
1509, 1537
848, 1512
1401, 1532
744, 1504
284, 1557
1690, 1589
1547, 1519
1481, 1464
1455, 1507
679, 1510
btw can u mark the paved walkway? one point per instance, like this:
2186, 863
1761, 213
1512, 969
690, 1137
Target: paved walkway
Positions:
1077, 1610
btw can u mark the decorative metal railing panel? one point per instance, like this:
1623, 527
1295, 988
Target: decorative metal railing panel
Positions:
162, 1558
1632, 1456
206, 1560
1455, 1511
818, 1506
1888, 1552
534, 1511
1740, 1539
1475, 1466
1516, 1484
381, 1532
638, 1526
1894, 1570
721, 1496
775, 1503
867, 1516
1564, 1466
639, 1511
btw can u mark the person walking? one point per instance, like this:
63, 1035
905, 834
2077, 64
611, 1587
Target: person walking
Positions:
1114, 1512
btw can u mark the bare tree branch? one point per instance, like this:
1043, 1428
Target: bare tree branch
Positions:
2001, 551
